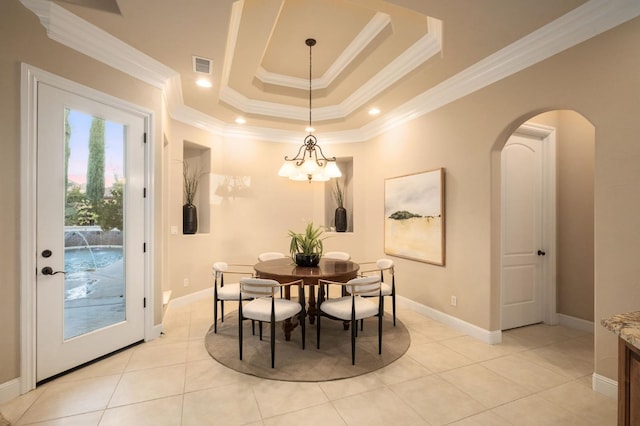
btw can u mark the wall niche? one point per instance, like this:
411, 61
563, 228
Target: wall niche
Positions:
330, 203
198, 160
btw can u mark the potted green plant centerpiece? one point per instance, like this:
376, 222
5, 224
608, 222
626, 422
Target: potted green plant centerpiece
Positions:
306, 248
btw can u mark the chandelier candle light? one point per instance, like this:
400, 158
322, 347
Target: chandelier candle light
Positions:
310, 162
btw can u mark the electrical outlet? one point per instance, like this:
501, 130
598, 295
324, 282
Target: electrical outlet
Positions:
185, 282
454, 301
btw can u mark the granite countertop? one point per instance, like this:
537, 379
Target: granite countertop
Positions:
627, 326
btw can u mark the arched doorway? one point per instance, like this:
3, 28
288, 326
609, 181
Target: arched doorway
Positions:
574, 211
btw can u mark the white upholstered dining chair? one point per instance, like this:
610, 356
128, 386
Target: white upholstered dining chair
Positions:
264, 307
224, 290
385, 267
352, 307
338, 255
270, 255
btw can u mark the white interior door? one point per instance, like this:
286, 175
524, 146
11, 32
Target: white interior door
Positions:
89, 230
523, 253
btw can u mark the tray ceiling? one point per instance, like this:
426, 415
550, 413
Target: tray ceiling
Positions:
394, 55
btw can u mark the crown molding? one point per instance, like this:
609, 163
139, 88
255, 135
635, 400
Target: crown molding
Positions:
422, 50
587, 21
374, 27
173, 92
232, 38
272, 109
78, 34
217, 127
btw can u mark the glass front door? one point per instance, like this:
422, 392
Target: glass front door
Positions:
89, 229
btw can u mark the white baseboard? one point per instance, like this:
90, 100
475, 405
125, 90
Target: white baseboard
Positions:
486, 336
9, 390
166, 296
576, 323
600, 384
190, 298
604, 385
156, 331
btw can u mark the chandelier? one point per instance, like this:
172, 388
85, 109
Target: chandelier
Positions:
310, 163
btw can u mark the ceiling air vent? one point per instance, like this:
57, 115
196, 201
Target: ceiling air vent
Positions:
202, 65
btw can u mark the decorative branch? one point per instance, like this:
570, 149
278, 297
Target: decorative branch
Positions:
191, 181
338, 194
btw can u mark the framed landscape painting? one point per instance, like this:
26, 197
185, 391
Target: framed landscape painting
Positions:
414, 217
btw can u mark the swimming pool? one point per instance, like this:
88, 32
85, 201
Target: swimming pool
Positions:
79, 259
94, 288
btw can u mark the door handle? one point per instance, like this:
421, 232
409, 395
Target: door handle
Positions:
541, 253
47, 270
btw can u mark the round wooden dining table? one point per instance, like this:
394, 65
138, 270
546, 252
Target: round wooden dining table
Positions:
285, 270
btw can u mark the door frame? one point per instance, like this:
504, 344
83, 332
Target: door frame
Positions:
548, 266
30, 77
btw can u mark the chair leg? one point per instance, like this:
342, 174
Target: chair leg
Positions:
354, 325
253, 327
393, 304
260, 328
379, 334
222, 311
273, 333
318, 328
393, 298
240, 332
273, 343
215, 315
303, 331
319, 313
380, 329
303, 315
354, 330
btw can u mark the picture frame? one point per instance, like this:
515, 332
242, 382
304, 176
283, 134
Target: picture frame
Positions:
414, 216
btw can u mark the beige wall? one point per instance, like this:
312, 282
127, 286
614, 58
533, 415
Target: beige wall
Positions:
23, 39
575, 272
598, 79
243, 225
466, 137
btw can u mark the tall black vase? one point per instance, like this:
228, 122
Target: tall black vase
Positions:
341, 219
189, 219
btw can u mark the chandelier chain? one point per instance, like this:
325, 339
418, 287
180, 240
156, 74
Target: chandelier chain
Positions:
310, 76
317, 166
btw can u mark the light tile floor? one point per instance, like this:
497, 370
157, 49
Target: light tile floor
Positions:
539, 375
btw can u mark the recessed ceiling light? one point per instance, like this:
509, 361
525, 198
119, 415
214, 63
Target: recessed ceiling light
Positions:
240, 120
203, 82
374, 111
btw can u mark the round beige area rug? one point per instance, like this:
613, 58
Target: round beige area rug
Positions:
332, 361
